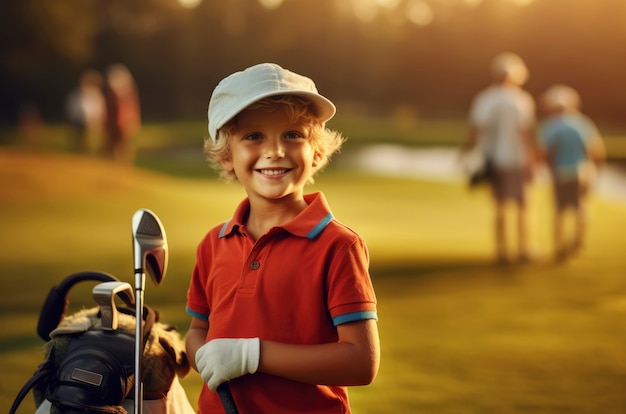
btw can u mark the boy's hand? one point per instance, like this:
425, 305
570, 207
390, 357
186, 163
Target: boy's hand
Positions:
223, 359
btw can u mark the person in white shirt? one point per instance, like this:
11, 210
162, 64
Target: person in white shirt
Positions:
502, 124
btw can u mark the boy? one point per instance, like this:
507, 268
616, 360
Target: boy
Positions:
573, 148
281, 300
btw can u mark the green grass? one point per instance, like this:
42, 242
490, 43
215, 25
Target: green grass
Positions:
458, 334
173, 147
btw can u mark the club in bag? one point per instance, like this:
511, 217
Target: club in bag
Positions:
149, 256
104, 294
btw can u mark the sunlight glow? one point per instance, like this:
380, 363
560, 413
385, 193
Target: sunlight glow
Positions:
365, 11
388, 4
189, 4
271, 4
419, 12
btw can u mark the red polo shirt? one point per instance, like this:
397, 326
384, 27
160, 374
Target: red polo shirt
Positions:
294, 285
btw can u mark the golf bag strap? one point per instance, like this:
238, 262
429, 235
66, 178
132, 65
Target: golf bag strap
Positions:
42, 371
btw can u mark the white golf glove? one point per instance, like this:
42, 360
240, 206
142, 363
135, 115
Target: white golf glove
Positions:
223, 359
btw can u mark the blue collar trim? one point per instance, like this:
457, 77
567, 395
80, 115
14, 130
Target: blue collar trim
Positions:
320, 226
223, 229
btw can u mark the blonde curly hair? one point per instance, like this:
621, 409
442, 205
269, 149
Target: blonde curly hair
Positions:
324, 141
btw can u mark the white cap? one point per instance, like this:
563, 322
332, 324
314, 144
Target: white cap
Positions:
560, 97
509, 65
239, 90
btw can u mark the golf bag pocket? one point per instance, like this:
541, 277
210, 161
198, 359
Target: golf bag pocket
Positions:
96, 373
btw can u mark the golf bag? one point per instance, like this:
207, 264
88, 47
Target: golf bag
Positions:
89, 363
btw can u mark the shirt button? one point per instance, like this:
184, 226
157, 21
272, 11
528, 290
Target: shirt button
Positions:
254, 265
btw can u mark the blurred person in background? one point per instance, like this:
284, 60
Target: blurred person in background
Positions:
502, 127
123, 113
85, 110
573, 149
30, 123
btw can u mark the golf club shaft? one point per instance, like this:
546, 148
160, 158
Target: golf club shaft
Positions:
140, 280
149, 255
227, 399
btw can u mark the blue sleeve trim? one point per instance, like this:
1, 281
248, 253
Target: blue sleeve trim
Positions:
320, 226
355, 316
196, 314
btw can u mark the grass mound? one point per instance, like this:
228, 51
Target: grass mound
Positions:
35, 176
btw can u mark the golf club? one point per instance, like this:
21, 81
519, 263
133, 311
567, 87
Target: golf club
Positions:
104, 295
227, 399
149, 255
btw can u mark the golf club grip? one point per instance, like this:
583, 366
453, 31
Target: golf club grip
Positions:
227, 399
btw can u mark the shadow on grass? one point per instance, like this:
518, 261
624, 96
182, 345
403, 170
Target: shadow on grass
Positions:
395, 278
424, 268
428, 267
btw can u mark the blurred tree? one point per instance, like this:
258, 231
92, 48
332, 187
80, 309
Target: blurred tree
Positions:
429, 55
35, 31
36, 38
45, 44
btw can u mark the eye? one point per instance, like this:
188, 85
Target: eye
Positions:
293, 135
252, 137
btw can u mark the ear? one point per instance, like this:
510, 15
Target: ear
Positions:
227, 164
317, 159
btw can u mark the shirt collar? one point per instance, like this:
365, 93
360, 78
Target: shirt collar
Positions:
309, 223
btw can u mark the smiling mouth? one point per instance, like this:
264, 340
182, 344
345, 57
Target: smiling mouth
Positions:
272, 172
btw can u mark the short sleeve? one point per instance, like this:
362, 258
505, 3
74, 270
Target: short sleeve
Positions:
350, 290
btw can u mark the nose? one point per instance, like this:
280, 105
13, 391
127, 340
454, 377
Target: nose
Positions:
274, 149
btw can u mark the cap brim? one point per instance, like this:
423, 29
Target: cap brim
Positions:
324, 108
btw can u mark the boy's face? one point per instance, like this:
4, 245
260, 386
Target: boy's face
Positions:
271, 155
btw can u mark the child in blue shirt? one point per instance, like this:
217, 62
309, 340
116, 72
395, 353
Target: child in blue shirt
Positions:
573, 149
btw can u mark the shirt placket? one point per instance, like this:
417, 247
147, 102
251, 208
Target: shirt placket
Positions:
252, 267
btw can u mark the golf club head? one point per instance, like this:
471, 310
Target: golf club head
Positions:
149, 245
104, 295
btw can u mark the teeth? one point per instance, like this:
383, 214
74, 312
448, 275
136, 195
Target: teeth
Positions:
273, 172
